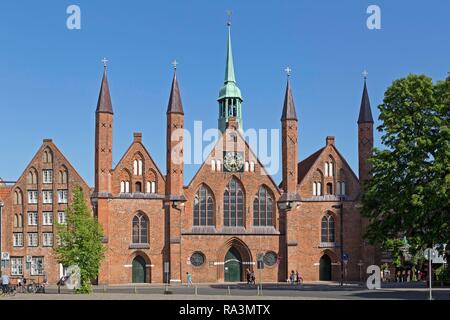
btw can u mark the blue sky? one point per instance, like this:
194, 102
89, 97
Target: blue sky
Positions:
50, 76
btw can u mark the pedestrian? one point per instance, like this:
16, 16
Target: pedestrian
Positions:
5, 283
252, 277
248, 276
189, 279
297, 277
292, 277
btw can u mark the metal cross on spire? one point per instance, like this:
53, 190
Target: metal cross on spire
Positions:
365, 74
229, 14
174, 64
288, 71
105, 61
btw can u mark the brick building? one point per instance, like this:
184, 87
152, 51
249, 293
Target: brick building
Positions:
229, 216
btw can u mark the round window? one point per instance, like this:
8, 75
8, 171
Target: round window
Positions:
197, 259
270, 258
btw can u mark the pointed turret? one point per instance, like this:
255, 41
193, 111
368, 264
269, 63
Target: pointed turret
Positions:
289, 145
175, 105
289, 112
365, 135
104, 99
230, 98
365, 112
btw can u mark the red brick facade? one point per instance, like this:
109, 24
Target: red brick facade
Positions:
218, 219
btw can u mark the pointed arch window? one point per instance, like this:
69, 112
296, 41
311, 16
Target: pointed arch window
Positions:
63, 176
140, 228
327, 229
233, 205
203, 207
263, 208
47, 156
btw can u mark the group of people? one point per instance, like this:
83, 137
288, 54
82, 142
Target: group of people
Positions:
294, 278
251, 279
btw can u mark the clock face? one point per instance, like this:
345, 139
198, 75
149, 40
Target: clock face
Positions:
233, 161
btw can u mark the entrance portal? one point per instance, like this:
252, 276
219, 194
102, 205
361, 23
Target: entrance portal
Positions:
139, 270
233, 266
325, 268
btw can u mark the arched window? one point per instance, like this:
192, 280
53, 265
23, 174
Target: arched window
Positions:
32, 177
233, 205
47, 156
151, 187
329, 188
122, 186
218, 165
252, 166
16, 221
137, 167
63, 176
213, 165
262, 208
138, 187
140, 228
203, 207
17, 197
327, 235
246, 166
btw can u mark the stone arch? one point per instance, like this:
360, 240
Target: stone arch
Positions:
244, 252
138, 259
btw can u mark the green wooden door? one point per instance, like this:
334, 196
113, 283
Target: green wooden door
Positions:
233, 266
138, 267
325, 268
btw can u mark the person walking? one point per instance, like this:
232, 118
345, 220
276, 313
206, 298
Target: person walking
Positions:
298, 278
248, 273
189, 279
5, 283
292, 277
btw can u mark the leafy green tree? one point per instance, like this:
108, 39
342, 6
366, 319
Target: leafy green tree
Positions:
81, 241
408, 195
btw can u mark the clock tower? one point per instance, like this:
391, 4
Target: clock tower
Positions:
365, 135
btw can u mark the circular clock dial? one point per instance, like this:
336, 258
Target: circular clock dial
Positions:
233, 161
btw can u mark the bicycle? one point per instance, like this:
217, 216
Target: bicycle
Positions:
10, 291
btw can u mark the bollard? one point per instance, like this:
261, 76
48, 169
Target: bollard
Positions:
104, 288
135, 289
257, 288
260, 290
229, 292
196, 290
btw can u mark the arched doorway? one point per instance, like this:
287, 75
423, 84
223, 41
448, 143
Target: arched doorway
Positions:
233, 266
139, 274
325, 268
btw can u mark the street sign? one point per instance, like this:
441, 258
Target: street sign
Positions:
5, 255
260, 264
166, 267
430, 254
345, 257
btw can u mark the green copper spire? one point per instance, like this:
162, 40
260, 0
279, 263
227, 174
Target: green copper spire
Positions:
230, 98
229, 71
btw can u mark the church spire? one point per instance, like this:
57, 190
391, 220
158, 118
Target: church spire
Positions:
230, 98
175, 105
104, 99
365, 112
289, 112
229, 70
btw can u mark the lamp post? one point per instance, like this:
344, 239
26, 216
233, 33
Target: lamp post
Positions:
340, 206
1, 235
